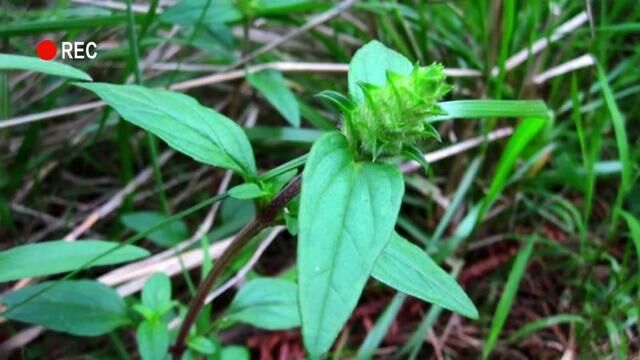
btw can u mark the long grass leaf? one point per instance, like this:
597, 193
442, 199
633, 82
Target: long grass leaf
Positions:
543, 323
507, 297
376, 335
526, 132
474, 109
621, 141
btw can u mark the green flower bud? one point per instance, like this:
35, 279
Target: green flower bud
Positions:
393, 117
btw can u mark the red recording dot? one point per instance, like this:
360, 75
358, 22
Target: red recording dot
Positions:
47, 49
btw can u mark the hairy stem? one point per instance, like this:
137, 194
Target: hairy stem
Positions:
264, 219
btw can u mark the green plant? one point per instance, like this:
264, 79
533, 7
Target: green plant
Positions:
351, 190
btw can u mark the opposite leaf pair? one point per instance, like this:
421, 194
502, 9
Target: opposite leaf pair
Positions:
348, 210
349, 206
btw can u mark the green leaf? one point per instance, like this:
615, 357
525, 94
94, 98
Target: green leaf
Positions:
617, 120
413, 153
347, 212
431, 132
285, 134
147, 313
266, 303
187, 12
54, 257
202, 345
156, 293
78, 307
235, 352
153, 340
375, 336
524, 134
274, 185
634, 226
247, 191
197, 131
166, 236
292, 223
18, 62
370, 65
617, 338
545, 322
407, 268
507, 297
285, 7
271, 85
344, 104
473, 109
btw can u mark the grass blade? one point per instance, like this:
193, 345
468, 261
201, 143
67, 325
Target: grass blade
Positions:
459, 195
376, 335
45, 26
508, 16
473, 109
621, 141
526, 132
508, 295
540, 324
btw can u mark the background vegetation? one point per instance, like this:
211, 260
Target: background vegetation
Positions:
552, 267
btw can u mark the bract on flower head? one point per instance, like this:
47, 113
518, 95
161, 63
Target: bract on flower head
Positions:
393, 117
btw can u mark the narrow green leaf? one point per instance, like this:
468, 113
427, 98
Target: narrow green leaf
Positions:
347, 212
284, 134
19, 62
54, 257
344, 104
617, 339
197, 131
462, 232
202, 345
526, 131
414, 153
271, 84
370, 65
634, 226
405, 267
153, 340
506, 32
431, 132
266, 303
39, 26
473, 109
187, 12
507, 297
247, 191
631, 27
78, 307
166, 236
376, 335
456, 202
235, 352
147, 313
540, 324
617, 120
415, 342
156, 294
285, 7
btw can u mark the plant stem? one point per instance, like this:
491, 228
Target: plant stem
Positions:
264, 219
